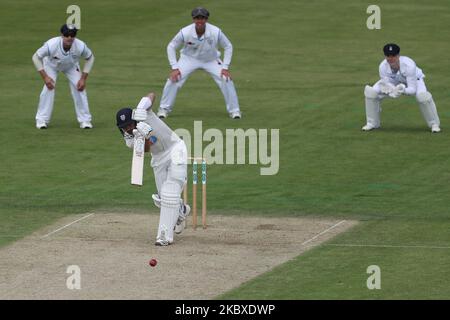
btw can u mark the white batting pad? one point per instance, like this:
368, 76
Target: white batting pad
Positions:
372, 107
170, 208
428, 108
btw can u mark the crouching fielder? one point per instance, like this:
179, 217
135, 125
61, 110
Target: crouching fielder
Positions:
169, 162
399, 75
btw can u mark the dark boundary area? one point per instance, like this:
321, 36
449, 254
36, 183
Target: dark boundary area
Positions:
224, 309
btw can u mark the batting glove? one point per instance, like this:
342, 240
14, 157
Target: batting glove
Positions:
144, 129
137, 134
139, 115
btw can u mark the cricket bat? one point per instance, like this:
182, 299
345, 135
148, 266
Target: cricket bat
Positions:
137, 164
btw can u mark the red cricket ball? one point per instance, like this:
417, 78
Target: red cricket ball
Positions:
152, 262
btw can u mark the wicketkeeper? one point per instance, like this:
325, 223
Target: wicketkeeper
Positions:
399, 75
169, 162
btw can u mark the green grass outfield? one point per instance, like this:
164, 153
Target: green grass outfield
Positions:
299, 66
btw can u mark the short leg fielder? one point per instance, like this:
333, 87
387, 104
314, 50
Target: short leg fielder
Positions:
374, 96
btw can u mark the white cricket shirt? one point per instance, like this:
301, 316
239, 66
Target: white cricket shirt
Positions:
204, 48
54, 55
408, 74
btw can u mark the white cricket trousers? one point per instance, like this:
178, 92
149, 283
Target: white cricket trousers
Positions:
170, 178
427, 106
187, 65
47, 97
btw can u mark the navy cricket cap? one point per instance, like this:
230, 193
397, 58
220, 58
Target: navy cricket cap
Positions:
200, 12
69, 29
391, 49
123, 117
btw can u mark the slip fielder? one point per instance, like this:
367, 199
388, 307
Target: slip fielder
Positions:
62, 54
200, 41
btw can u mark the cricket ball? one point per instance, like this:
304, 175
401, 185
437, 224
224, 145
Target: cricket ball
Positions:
152, 262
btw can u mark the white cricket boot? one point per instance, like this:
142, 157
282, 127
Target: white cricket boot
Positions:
369, 127
435, 128
86, 125
162, 114
162, 240
235, 115
41, 125
181, 222
373, 109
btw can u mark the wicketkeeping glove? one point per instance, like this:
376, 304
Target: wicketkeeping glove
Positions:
139, 115
400, 88
386, 87
144, 129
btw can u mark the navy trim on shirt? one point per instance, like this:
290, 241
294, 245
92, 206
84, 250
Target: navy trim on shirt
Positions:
62, 50
83, 50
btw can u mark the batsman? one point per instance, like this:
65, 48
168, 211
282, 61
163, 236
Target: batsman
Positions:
168, 160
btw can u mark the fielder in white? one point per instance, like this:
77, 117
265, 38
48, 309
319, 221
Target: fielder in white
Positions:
200, 41
169, 162
399, 75
62, 54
